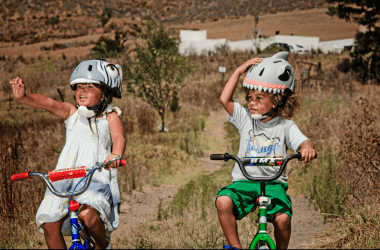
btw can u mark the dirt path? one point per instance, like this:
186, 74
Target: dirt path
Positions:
141, 207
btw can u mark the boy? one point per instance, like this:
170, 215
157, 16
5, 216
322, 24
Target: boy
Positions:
264, 131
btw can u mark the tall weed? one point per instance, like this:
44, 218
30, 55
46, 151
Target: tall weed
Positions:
358, 229
343, 182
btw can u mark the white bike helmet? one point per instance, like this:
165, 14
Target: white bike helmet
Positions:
272, 74
101, 72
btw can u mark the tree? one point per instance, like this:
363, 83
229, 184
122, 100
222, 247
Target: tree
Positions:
157, 71
365, 57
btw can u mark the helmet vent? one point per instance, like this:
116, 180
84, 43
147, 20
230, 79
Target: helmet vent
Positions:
89, 67
277, 61
252, 68
261, 72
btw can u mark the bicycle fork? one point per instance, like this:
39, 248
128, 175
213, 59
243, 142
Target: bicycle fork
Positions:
76, 229
262, 238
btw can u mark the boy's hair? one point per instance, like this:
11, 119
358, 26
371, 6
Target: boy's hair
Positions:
287, 111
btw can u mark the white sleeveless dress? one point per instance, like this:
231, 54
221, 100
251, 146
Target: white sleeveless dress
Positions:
85, 147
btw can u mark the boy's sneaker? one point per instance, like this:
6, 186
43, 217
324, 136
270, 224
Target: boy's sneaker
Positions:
229, 247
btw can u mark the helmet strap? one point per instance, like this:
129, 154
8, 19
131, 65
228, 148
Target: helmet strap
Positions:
281, 104
98, 108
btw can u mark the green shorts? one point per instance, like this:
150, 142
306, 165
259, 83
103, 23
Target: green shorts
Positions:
245, 192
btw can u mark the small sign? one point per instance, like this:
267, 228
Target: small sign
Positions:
222, 69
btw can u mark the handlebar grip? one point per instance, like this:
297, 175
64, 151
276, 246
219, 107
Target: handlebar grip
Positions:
63, 174
123, 162
21, 176
217, 157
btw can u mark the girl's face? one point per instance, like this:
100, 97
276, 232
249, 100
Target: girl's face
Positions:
259, 103
88, 94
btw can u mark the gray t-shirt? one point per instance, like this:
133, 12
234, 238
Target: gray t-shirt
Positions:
263, 139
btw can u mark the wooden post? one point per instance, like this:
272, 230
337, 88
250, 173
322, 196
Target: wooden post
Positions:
335, 92
60, 94
369, 74
223, 74
308, 81
350, 81
10, 98
322, 90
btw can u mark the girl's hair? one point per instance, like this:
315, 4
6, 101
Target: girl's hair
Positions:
292, 104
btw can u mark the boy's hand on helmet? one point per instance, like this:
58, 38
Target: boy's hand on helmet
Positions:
114, 164
18, 87
245, 66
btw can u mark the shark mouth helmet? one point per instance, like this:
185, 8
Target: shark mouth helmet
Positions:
272, 75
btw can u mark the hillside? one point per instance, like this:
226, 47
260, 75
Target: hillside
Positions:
24, 21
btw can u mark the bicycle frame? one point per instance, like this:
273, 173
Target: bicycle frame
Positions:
261, 238
73, 206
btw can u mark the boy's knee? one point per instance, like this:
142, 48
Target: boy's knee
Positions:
224, 204
281, 221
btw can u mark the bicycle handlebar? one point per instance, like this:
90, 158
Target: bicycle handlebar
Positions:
21, 176
62, 174
258, 161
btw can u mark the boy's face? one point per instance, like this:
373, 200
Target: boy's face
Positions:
259, 103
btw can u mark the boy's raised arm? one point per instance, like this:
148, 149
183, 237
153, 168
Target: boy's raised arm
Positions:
229, 89
61, 109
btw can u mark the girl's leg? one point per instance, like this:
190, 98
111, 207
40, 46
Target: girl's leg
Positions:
90, 217
53, 236
225, 207
282, 229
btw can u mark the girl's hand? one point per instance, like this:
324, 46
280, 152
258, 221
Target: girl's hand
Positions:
245, 66
114, 164
307, 152
18, 87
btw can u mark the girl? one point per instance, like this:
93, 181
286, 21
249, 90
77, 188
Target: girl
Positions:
264, 131
94, 133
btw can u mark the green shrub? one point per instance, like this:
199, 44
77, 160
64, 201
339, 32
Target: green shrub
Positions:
52, 21
106, 15
108, 48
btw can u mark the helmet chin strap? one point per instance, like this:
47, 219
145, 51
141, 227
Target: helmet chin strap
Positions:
273, 110
266, 115
89, 112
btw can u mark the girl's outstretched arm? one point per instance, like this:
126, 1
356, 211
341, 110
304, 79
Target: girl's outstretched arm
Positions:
229, 89
61, 109
118, 140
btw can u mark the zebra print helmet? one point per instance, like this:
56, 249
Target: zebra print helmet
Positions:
101, 72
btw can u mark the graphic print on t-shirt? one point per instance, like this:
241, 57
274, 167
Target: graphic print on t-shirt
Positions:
261, 144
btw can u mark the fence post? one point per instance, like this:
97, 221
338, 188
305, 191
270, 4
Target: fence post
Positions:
350, 81
308, 81
10, 99
61, 95
369, 74
336, 90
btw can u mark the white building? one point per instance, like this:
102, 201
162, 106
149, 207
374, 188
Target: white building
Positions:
336, 46
196, 42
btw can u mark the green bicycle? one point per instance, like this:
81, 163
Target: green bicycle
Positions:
262, 240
